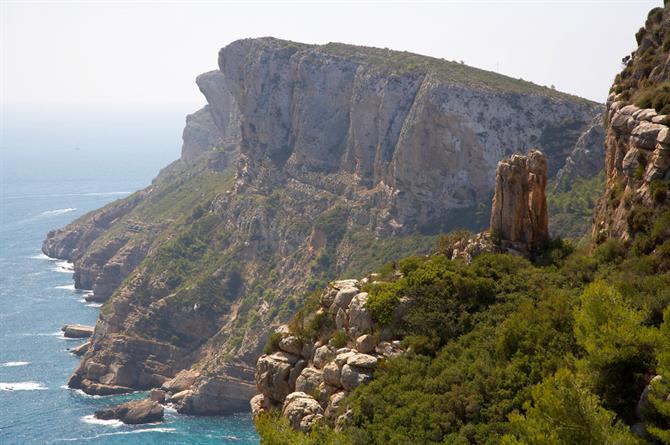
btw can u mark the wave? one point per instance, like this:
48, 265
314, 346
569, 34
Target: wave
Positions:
95, 421
64, 267
81, 393
14, 364
22, 386
94, 305
116, 433
58, 211
42, 256
65, 286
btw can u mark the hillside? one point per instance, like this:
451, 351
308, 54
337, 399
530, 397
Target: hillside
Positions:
558, 345
307, 163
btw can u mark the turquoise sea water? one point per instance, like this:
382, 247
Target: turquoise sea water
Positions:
44, 184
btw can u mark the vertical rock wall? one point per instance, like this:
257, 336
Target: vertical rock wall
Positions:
519, 215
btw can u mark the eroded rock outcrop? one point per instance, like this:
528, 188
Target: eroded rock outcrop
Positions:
519, 215
310, 382
637, 143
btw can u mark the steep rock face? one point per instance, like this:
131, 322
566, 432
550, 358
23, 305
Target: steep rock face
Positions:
338, 146
335, 109
586, 158
519, 214
637, 143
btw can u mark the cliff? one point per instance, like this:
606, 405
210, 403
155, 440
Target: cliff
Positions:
308, 162
637, 143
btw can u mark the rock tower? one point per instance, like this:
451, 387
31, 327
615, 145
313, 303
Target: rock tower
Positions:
519, 215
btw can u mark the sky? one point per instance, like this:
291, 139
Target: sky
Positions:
133, 55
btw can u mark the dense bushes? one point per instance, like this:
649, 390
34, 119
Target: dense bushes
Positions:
507, 351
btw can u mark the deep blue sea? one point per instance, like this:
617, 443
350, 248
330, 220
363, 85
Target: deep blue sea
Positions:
54, 167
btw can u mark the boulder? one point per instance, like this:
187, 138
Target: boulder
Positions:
365, 343
334, 403
217, 395
341, 319
272, 375
257, 404
77, 331
308, 380
178, 397
323, 355
301, 411
324, 391
360, 319
134, 412
291, 345
157, 395
343, 298
342, 357
81, 349
332, 374
295, 372
645, 133
365, 361
663, 136
352, 377
182, 381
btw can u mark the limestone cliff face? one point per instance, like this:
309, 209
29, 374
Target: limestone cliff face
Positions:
420, 142
637, 143
303, 155
586, 158
519, 214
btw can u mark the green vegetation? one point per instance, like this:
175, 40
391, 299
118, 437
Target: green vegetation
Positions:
570, 212
503, 350
638, 82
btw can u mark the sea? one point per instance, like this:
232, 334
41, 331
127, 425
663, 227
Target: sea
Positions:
56, 165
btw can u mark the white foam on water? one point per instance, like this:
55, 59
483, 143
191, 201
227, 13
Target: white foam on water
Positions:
22, 386
42, 256
81, 393
65, 286
95, 305
14, 364
95, 421
58, 211
116, 433
64, 267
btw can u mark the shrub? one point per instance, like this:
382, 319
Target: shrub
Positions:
272, 344
639, 218
618, 347
611, 251
339, 339
660, 230
563, 411
658, 190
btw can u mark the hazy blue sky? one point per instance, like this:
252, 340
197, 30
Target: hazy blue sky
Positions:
136, 54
